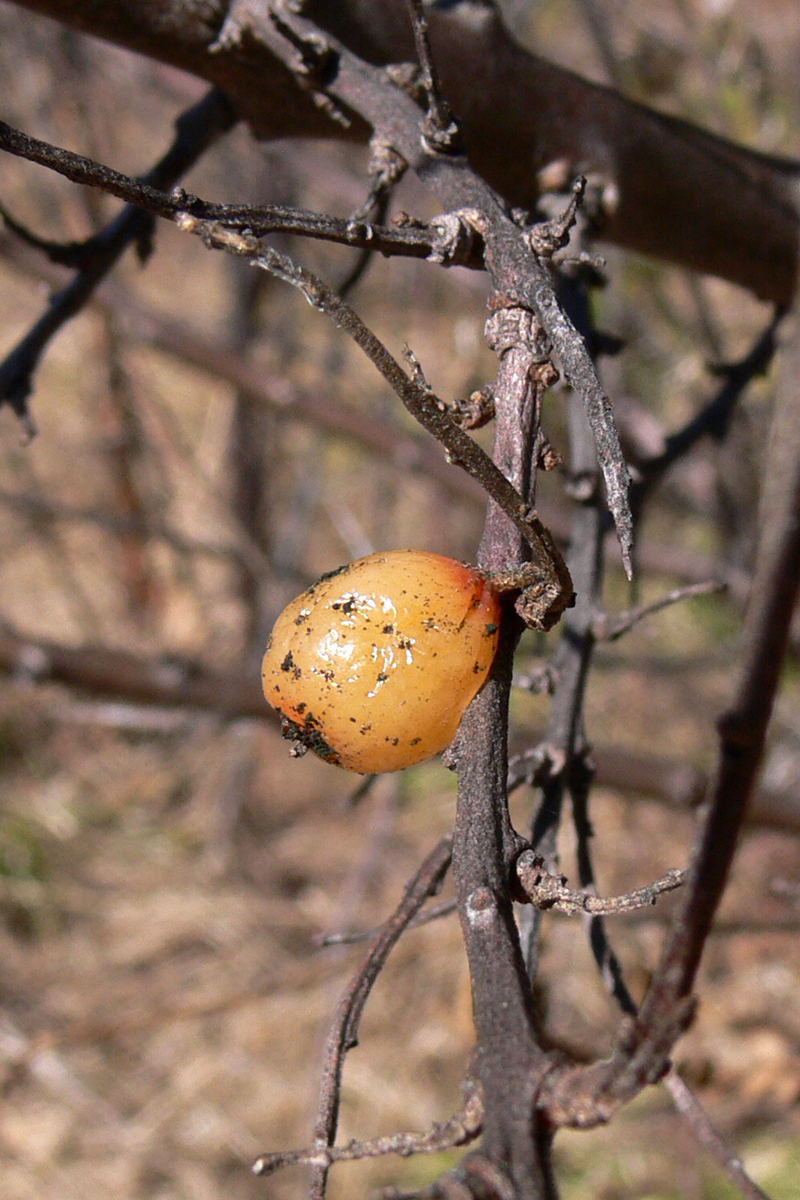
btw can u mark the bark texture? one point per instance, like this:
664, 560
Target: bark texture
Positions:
674, 191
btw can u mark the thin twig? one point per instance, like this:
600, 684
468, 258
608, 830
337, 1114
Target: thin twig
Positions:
412, 240
39, 511
563, 749
431, 412
607, 627
610, 968
534, 286
462, 1128
343, 1035
441, 131
713, 418
546, 891
434, 913
645, 1044
709, 1136
519, 277
196, 130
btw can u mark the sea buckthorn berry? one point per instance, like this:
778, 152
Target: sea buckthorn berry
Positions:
374, 665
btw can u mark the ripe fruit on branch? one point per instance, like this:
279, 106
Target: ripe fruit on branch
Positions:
373, 666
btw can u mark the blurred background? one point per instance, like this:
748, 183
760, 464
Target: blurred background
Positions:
207, 446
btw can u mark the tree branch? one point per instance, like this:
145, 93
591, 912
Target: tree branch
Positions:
196, 130
343, 1035
672, 190
547, 891
461, 1129
147, 195
581, 1095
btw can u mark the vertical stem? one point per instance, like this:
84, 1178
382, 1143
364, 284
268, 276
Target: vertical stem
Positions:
485, 844
565, 740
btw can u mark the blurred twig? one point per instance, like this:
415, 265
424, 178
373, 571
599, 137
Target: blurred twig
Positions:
196, 129
188, 684
713, 418
343, 1035
607, 627
461, 1129
40, 510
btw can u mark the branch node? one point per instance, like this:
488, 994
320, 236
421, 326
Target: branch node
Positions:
481, 909
316, 65
455, 235
440, 131
546, 237
514, 326
476, 411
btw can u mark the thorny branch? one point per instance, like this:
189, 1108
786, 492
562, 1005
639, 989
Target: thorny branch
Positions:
683, 1098
563, 758
431, 413
611, 971
395, 119
520, 275
584, 1095
549, 586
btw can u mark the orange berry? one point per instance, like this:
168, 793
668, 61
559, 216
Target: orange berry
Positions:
373, 666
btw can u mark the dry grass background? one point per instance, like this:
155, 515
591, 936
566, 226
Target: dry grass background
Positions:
164, 874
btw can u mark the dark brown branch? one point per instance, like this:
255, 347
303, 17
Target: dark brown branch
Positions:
515, 1144
40, 511
63, 254
715, 416
743, 727
610, 968
261, 386
520, 277
410, 241
169, 680
729, 212
431, 412
533, 284
189, 684
343, 1035
196, 130
395, 445
408, 453
611, 971
642, 1053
